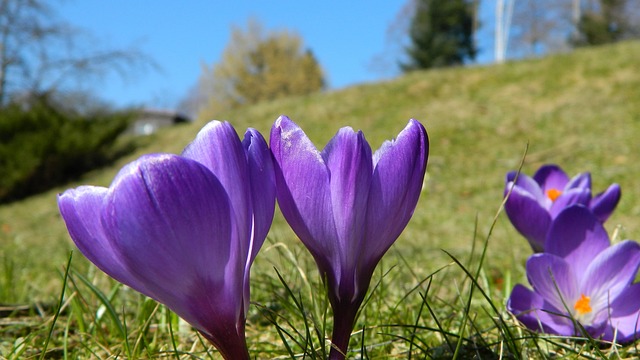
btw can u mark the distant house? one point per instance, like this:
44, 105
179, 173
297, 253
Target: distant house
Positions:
149, 121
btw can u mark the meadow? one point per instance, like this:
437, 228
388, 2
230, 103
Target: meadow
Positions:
438, 293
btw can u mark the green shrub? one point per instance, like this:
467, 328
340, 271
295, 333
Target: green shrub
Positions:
42, 146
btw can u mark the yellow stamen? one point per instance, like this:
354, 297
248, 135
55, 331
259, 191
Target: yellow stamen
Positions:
583, 305
553, 194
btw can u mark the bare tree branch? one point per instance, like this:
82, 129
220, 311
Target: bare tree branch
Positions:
41, 53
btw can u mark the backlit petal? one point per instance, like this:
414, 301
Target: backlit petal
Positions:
551, 176
577, 236
526, 183
627, 328
218, 147
303, 190
169, 217
580, 181
349, 161
536, 314
604, 203
528, 217
625, 316
81, 209
263, 197
263, 186
400, 167
553, 279
580, 196
611, 272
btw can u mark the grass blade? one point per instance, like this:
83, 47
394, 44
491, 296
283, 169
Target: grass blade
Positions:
58, 308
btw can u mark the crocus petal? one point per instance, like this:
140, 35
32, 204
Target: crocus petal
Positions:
553, 279
611, 272
218, 147
604, 203
627, 302
169, 218
263, 197
580, 181
263, 189
400, 167
348, 159
580, 196
625, 316
81, 209
627, 328
526, 183
303, 192
551, 176
537, 314
577, 236
528, 217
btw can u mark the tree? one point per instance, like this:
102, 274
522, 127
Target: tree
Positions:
277, 68
43, 144
607, 22
255, 66
441, 34
41, 54
542, 26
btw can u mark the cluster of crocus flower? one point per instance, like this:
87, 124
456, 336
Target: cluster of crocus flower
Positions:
581, 279
581, 284
533, 202
185, 229
347, 206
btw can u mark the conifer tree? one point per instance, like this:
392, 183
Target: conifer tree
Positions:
441, 34
610, 21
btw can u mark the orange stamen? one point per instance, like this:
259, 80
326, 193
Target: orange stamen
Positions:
583, 305
553, 194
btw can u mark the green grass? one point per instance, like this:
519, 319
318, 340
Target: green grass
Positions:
579, 110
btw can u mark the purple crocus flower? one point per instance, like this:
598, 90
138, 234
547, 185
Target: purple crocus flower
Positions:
581, 279
347, 205
184, 230
534, 202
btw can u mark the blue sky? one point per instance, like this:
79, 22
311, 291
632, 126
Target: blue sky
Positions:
347, 38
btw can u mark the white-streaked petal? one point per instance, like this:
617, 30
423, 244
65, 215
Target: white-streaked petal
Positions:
218, 147
528, 216
303, 190
537, 314
577, 236
553, 279
169, 218
611, 273
551, 176
349, 162
263, 186
81, 209
400, 166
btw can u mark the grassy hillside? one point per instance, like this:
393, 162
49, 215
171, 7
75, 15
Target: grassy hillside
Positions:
579, 110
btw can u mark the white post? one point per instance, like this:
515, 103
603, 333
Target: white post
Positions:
498, 46
503, 25
507, 27
575, 15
